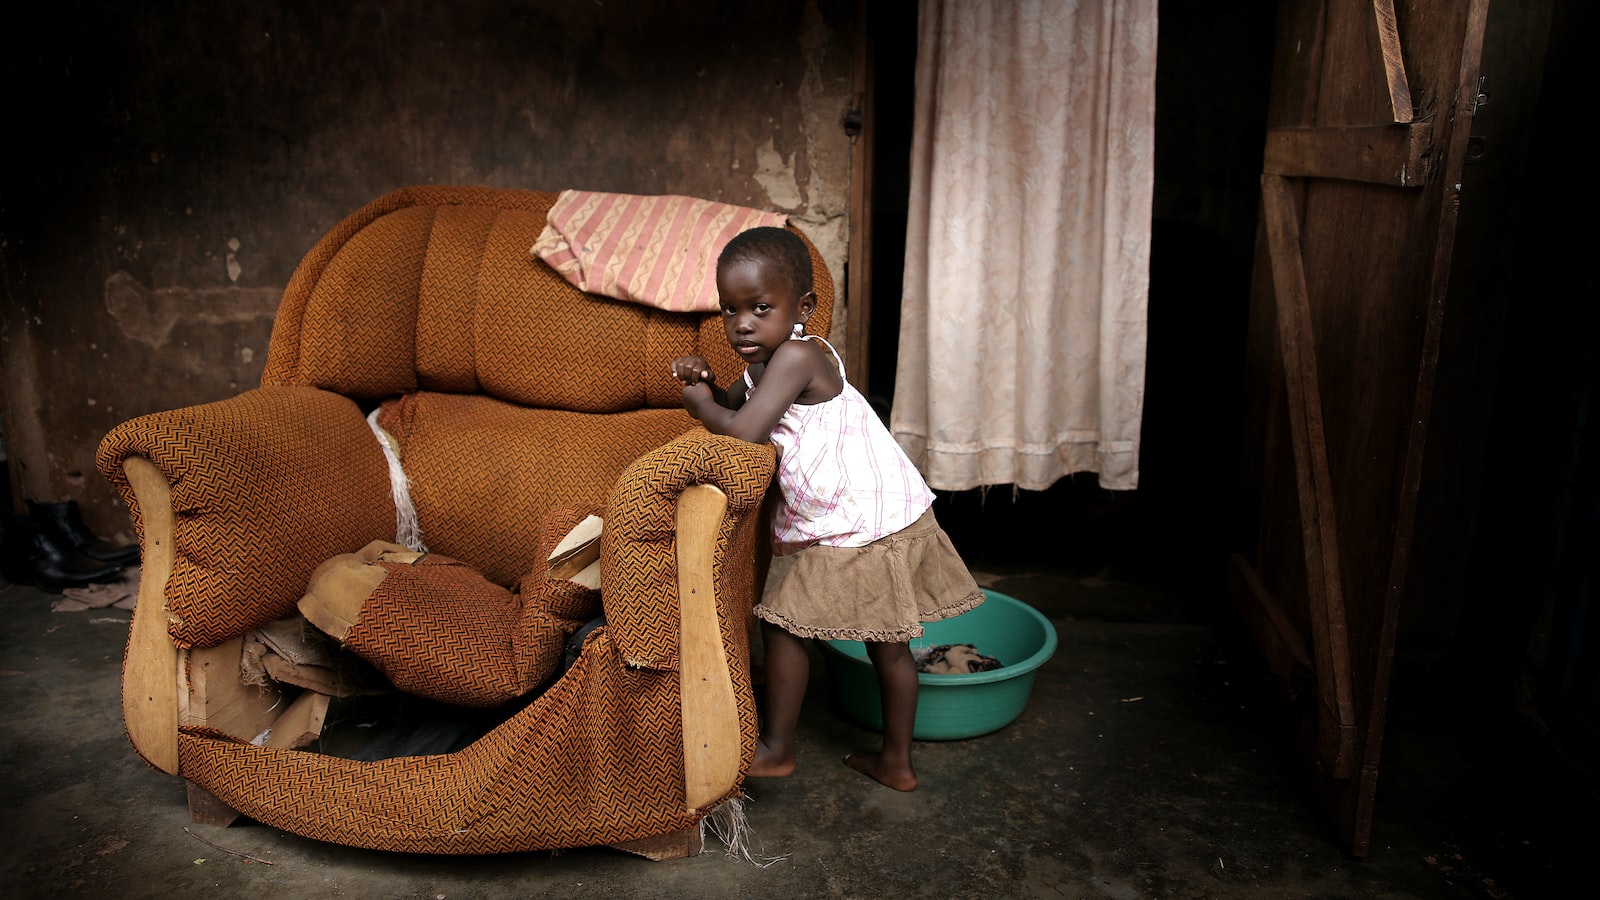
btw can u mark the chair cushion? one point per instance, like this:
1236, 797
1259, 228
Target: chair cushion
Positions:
448, 298
433, 288
438, 629
483, 471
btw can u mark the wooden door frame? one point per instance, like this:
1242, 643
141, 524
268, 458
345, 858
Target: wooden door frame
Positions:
858, 256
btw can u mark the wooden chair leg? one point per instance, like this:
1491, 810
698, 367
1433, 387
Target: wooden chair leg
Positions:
206, 809
672, 845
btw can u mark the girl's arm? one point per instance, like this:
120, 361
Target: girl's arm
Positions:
695, 370
792, 368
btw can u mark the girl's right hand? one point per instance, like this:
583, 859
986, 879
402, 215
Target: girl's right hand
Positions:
692, 370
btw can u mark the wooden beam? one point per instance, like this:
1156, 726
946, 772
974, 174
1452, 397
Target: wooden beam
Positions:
577, 552
217, 698
1394, 63
206, 809
1358, 805
1318, 521
1281, 644
712, 749
302, 722
684, 842
1376, 154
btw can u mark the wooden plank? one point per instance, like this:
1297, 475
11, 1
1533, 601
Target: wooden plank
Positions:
150, 666
1318, 521
1283, 646
1395, 155
578, 551
301, 723
218, 699
292, 652
1394, 64
1359, 804
345, 678
206, 809
672, 845
1301, 46
711, 742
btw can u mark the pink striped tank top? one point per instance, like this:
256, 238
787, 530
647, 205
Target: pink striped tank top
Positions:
845, 480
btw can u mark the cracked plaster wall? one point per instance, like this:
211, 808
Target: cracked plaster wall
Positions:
185, 156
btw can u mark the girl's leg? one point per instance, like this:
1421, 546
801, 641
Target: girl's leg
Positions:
788, 670
897, 686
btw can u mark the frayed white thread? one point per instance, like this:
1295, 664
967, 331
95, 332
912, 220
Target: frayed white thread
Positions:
407, 530
727, 821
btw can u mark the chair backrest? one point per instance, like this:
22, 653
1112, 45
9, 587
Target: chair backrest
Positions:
434, 288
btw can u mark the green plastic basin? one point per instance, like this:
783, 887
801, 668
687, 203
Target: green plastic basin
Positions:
950, 707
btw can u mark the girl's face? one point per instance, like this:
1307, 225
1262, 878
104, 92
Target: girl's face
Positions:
759, 310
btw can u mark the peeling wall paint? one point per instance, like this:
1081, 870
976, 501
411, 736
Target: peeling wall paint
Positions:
775, 172
148, 316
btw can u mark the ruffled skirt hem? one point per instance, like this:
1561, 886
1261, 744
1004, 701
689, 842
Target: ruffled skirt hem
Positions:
881, 592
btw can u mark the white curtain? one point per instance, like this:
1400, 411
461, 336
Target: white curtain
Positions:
1022, 329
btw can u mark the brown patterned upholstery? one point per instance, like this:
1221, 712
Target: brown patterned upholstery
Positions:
440, 630
436, 288
515, 400
252, 479
551, 456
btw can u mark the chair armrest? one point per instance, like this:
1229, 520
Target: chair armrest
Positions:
680, 546
638, 565
262, 488
234, 503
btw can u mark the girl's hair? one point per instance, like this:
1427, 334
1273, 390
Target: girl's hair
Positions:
778, 247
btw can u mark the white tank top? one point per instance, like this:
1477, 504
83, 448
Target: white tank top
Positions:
845, 480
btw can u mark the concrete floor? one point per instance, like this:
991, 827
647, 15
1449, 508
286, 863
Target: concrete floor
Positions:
1145, 765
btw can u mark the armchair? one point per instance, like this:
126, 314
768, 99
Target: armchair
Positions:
512, 397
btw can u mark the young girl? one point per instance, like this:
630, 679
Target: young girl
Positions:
876, 564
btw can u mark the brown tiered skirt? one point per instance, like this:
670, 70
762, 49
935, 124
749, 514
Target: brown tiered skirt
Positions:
881, 592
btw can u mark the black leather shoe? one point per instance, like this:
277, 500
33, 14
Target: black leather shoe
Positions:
63, 522
32, 556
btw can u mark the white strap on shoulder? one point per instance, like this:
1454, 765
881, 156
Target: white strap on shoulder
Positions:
824, 342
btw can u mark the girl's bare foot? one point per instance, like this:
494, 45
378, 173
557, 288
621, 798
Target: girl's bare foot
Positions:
901, 778
769, 763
